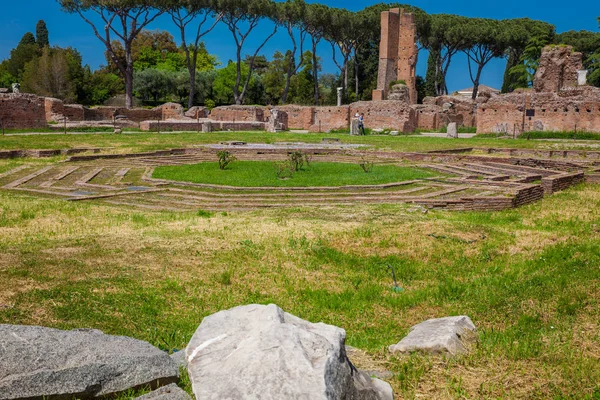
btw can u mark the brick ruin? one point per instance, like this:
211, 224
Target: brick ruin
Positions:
398, 53
557, 101
470, 179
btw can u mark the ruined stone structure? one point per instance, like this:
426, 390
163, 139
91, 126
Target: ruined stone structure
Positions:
556, 103
22, 111
501, 179
558, 69
398, 53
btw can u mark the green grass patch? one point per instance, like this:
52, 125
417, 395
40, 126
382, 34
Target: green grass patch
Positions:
561, 135
263, 173
150, 141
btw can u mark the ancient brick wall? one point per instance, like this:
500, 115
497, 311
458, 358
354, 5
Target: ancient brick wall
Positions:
391, 114
299, 117
54, 109
192, 125
171, 111
557, 183
557, 69
197, 112
238, 113
74, 112
463, 111
330, 118
427, 116
398, 53
104, 113
567, 110
21, 111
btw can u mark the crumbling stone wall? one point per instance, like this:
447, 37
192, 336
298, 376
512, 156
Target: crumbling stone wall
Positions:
330, 118
171, 111
104, 113
197, 112
570, 110
238, 113
390, 114
299, 117
22, 111
558, 69
55, 109
74, 112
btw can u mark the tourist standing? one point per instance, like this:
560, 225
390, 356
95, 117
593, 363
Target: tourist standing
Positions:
361, 123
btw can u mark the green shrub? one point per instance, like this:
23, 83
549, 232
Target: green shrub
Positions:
225, 158
398, 82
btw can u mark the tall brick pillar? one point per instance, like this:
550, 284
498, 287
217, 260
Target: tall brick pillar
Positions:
408, 53
397, 53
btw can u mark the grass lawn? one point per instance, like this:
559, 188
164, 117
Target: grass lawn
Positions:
529, 278
135, 142
263, 173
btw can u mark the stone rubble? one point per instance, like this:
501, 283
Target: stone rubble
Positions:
450, 335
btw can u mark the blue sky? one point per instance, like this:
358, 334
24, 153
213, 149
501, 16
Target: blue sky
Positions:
66, 30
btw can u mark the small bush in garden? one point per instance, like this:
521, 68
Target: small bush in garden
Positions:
296, 160
366, 165
307, 159
283, 170
225, 158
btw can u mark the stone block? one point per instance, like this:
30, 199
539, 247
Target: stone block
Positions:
450, 335
452, 131
169, 392
257, 351
207, 127
39, 363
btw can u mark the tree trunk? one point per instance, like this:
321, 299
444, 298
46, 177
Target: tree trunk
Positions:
192, 71
128, 78
345, 77
286, 90
315, 70
236, 89
476, 82
357, 86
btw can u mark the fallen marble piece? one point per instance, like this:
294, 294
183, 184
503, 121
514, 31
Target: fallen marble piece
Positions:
261, 352
37, 362
450, 335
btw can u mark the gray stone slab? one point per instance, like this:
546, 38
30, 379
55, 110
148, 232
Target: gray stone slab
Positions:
452, 130
450, 335
169, 392
37, 362
261, 352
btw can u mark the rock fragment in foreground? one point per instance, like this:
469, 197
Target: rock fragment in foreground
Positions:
169, 392
450, 335
37, 362
261, 352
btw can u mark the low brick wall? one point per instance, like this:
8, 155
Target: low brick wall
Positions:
557, 183
529, 194
390, 114
136, 114
327, 119
192, 125
238, 113
299, 117
22, 111
74, 112
470, 204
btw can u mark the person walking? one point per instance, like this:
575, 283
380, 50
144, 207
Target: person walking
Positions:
361, 123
